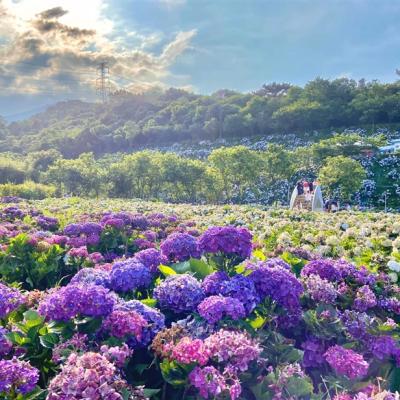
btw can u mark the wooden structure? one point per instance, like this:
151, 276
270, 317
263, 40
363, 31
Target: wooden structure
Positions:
311, 201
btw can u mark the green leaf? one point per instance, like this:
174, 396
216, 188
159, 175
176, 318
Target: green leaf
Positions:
182, 267
166, 271
149, 302
257, 322
150, 392
49, 340
200, 268
259, 254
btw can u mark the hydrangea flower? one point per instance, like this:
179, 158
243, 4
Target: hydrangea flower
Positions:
10, 300
89, 376
279, 284
180, 247
214, 308
151, 259
212, 284
365, 299
118, 355
77, 299
122, 324
232, 347
314, 350
129, 275
17, 376
228, 240
5, 344
325, 269
320, 289
346, 362
189, 351
179, 293
92, 276
78, 342
155, 321
243, 289
208, 380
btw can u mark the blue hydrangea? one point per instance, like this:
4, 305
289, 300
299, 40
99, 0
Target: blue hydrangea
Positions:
129, 275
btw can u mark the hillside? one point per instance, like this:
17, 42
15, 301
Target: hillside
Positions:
130, 122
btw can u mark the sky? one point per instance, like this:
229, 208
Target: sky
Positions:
50, 49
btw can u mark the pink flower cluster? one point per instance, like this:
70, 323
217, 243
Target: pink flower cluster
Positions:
188, 351
125, 323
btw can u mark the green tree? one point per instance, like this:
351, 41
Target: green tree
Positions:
341, 175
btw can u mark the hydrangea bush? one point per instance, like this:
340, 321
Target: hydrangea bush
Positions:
147, 304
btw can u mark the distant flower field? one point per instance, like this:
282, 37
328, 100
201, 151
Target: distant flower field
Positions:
112, 299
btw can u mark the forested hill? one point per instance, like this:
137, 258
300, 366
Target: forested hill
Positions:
128, 121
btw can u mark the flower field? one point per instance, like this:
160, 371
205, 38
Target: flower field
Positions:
111, 299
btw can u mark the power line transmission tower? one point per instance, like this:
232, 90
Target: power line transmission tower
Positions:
103, 81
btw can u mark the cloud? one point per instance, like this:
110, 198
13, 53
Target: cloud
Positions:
55, 12
46, 54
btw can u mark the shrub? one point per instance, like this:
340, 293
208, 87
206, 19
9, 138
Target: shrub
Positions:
28, 190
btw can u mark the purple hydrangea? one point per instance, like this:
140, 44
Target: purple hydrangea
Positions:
242, 288
365, 299
314, 350
92, 275
77, 299
89, 376
228, 240
91, 228
48, 223
129, 275
10, 300
151, 259
180, 247
320, 289
382, 347
209, 381
140, 222
326, 269
212, 284
5, 344
116, 223
179, 293
279, 284
17, 376
155, 321
232, 347
118, 355
72, 230
214, 308
122, 324
346, 362
276, 261
357, 324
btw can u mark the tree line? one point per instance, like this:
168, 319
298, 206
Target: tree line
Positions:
133, 121
229, 174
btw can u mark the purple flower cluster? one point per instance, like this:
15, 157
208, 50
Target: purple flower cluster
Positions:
89, 376
243, 289
129, 275
78, 343
209, 381
212, 284
17, 376
325, 269
151, 259
228, 240
155, 321
122, 324
232, 347
179, 247
365, 299
10, 300
314, 350
5, 344
214, 308
279, 284
118, 355
47, 223
320, 289
179, 293
346, 362
77, 299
